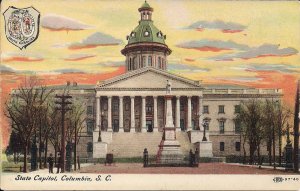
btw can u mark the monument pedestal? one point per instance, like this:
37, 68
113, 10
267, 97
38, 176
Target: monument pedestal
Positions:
99, 149
205, 149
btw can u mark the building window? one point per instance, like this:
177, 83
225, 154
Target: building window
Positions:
221, 109
182, 124
222, 127
90, 127
193, 124
89, 110
237, 126
89, 147
237, 109
132, 34
237, 146
193, 106
134, 63
146, 33
222, 146
115, 106
105, 106
126, 106
149, 60
144, 61
159, 63
181, 107
149, 109
116, 125
205, 109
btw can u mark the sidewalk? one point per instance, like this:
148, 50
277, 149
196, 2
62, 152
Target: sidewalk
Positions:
257, 166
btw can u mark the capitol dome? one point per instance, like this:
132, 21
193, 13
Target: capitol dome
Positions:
146, 45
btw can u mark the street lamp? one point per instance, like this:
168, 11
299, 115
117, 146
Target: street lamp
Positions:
205, 125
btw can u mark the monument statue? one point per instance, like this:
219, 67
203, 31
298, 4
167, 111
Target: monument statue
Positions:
168, 87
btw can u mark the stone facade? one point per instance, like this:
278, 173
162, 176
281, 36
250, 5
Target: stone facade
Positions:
230, 136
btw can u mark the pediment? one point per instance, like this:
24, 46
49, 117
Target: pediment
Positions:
148, 78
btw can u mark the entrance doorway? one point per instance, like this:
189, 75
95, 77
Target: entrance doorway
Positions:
149, 126
116, 125
182, 124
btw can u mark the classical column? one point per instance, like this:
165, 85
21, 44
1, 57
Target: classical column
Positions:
109, 128
155, 126
189, 114
98, 114
132, 118
177, 122
121, 129
143, 114
200, 112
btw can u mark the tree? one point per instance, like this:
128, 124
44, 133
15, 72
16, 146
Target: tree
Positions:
250, 116
14, 147
54, 123
283, 114
268, 124
23, 110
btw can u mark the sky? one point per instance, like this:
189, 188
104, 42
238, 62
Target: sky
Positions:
255, 44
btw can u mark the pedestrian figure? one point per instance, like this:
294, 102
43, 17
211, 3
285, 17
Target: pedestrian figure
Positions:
58, 163
192, 156
145, 157
50, 161
197, 157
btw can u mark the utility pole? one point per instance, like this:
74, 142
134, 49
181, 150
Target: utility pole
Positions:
296, 131
63, 106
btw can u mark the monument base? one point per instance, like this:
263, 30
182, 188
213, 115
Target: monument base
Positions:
99, 149
169, 150
205, 149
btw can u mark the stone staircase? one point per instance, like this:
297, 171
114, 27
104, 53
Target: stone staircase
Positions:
132, 144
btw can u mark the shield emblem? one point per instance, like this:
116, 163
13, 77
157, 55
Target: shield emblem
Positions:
21, 25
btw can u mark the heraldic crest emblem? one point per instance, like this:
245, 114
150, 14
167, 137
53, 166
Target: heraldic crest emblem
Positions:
21, 25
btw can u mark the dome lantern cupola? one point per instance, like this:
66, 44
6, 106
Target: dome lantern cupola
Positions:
146, 11
146, 45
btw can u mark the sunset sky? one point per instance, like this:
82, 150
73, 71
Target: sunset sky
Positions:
219, 42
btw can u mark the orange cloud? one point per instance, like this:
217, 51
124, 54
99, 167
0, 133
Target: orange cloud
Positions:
79, 58
189, 60
22, 59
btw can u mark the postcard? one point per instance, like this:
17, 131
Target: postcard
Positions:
150, 95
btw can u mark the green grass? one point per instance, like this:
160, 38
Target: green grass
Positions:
11, 166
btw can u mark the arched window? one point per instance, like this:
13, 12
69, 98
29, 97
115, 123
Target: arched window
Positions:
159, 63
149, 60
129, 67
134, 63
90, 127
143, 61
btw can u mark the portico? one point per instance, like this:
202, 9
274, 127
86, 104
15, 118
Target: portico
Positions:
123, 108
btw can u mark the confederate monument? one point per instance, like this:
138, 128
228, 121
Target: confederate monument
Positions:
169, 149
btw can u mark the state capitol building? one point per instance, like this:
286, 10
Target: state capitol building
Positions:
129, 109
